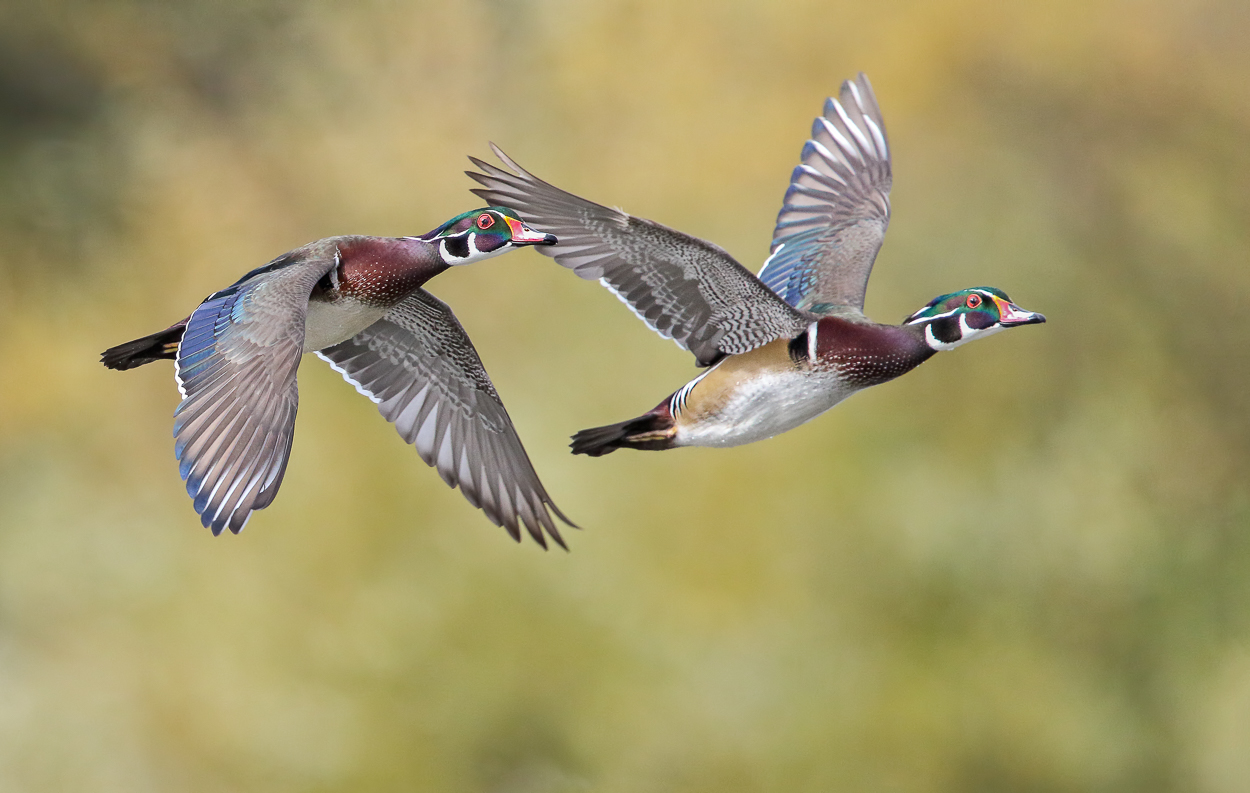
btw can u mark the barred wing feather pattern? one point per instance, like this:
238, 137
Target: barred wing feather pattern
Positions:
684, 288
236, 369
418, 365
837, 207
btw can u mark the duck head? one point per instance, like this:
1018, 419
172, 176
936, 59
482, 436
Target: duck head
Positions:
957, 318
482, 233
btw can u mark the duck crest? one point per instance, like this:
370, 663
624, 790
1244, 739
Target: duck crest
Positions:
865, 355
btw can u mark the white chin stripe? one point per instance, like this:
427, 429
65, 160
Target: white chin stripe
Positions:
935, 344
473, 254
966, 334
918, 320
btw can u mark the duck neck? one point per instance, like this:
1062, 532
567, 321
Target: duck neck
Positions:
867, 354
385, 270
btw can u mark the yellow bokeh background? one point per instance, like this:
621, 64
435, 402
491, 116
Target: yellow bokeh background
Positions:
1023, 567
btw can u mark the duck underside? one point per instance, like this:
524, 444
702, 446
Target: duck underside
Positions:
332, 321
157, 346
761, 407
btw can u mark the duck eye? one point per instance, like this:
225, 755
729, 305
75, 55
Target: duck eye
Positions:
974, 300
485, 221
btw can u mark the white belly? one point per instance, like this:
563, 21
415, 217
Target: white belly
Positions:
327, 324
762, 407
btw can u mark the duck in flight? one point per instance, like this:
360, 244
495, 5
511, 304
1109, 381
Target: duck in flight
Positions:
356, 302
781, 347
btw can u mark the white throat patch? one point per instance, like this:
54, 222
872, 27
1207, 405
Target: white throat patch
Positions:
966, 334
474, 255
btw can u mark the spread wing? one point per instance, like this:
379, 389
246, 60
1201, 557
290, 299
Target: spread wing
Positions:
418, 365
684, 288
837, 207
236, 369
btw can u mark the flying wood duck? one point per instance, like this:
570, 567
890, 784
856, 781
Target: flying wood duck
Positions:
782, 347
356, 302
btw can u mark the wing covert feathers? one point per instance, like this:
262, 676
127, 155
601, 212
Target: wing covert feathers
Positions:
418, 365
684, 288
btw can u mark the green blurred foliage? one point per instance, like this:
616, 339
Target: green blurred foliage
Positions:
1024, 567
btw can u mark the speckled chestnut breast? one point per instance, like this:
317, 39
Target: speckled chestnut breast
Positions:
865, 354
373, 275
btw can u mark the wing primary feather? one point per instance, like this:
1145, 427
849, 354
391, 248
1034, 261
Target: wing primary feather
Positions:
836, 208
236, 369
432, 386
681, 287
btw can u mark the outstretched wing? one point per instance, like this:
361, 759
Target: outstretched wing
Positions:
837, 207
418, 365
236, 369
684, 288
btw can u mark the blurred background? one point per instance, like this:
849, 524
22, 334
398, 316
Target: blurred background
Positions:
1023, 567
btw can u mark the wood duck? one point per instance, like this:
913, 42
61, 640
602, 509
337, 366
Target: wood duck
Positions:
356, 302
783, 346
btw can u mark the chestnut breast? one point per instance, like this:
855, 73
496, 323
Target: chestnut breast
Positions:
373, 275
866, 354
382, 271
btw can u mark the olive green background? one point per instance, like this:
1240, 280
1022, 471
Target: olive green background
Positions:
1023, 567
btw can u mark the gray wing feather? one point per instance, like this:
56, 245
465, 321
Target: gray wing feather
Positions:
236, 368
418, 365
684, 288
837, 207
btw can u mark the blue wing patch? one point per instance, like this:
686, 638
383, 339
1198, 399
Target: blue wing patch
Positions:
232, 429
790, 271
197, 363
836, 208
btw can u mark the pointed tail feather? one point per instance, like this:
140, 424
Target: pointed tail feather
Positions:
652, 431
599, 441
145, 350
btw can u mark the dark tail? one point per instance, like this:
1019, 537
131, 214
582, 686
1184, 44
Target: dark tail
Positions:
653, 431
140, 351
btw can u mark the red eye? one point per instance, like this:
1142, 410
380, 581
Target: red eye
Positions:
974, 300
485, 221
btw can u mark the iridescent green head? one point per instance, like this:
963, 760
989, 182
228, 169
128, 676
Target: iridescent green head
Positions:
952, 320
482, 233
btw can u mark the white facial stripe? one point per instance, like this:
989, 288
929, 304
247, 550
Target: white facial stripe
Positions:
473, 254
966, 334
931, 319
935, 344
